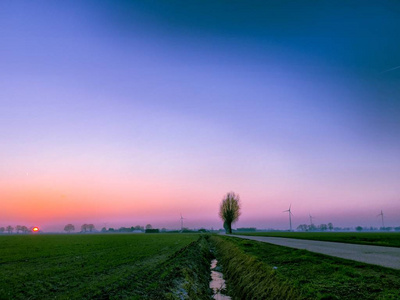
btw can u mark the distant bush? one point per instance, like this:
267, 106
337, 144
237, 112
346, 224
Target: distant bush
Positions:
152, 230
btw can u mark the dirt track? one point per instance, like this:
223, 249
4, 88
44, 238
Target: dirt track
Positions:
377, 255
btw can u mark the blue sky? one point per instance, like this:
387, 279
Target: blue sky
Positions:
134, 105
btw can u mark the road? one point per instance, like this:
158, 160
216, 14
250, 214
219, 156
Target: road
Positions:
376, 255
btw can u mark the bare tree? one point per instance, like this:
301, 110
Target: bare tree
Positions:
138, 227
323, 227
24, 229
10, 229
18, 228
229, 210
2, 229
302, 227
148, 226
90, 227
69, 227
84, 227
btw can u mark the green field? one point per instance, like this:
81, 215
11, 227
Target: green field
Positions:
265, 271
134, 266
176, 266
390, 239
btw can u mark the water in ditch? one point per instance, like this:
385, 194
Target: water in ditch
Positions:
217, 283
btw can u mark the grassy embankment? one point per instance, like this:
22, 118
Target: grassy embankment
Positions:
299, 274
389, 239
247, 277
156, 266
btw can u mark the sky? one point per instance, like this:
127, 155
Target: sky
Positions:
124, 113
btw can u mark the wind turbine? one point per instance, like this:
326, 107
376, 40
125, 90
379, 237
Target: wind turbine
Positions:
381, 214
182, 218
290, 216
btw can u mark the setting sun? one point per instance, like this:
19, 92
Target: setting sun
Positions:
35, 229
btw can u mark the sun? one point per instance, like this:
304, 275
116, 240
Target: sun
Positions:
35, 229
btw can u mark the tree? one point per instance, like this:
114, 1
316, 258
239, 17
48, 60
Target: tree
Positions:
148, 226
18, 228
84, 227
312, 227
10, 229
302, 227
24, 229
229, 210
330, 226
323, 227
138, 227
2, 229
90, 227
124, 229
359, 228
69, 227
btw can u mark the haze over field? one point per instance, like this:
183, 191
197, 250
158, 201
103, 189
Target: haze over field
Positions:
131, 113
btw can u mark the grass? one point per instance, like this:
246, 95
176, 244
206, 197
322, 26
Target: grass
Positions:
248, 278
176, 266
313, 276
389, 239
135, 266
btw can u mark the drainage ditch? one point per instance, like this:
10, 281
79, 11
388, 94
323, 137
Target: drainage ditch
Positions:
217, 283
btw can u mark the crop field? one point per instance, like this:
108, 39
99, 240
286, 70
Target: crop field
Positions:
389, 239
177, 266
133, 266
265, 271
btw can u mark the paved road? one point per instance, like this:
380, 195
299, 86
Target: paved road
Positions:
377, 255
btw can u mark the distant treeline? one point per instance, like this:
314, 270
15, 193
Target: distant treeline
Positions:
146, 229
90, 228
247, 229
124, 229
330, 227
18, 229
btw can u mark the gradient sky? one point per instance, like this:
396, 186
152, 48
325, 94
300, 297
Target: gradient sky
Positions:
132, 112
